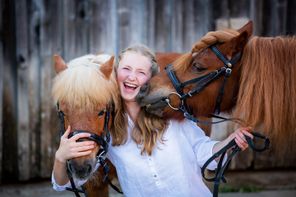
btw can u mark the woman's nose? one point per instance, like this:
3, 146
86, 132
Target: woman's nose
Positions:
132, 76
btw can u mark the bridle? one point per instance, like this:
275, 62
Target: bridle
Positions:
101, 140
200, 83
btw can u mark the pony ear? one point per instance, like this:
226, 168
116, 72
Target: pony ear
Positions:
59, 63
244, 36
107, 67
248, 28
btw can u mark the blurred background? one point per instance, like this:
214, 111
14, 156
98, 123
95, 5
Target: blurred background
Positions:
31, 31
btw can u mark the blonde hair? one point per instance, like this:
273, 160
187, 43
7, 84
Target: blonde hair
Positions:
148, 128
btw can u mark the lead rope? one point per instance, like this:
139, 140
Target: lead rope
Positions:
73, 187
221, 168
106, 170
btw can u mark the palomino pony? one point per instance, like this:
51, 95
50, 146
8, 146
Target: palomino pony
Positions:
86, 91
227, 69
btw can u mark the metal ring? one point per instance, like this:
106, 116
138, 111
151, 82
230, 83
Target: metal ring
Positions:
168, 101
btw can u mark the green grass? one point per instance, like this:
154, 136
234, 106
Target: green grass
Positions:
243, 189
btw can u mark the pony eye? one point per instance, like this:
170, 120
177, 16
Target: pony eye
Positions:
198, 68
101, 113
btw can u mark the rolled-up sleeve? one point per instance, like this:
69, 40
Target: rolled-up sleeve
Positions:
201, 144
59, 188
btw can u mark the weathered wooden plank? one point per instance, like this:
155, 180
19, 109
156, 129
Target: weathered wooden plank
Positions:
274, 17
132, 23
202, 17
163, 28
50, 42
256, 15
150, 18
291, 19
10, 151
1, 87
76, 32
34, 88
177, 26
23, 132
102, 27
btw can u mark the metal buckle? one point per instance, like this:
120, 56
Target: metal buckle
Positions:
228, 71
167, 100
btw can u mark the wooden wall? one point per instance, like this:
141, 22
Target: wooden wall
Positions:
31, 31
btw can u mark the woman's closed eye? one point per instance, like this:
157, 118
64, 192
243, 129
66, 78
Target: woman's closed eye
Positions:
125, 68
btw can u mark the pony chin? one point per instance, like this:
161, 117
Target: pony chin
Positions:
155, 110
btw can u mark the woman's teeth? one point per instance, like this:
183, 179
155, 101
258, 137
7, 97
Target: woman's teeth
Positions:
130, 86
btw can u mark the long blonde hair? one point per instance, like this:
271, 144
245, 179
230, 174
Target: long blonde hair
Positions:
148, 128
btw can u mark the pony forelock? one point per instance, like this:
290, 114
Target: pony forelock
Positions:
206, 41
82, 86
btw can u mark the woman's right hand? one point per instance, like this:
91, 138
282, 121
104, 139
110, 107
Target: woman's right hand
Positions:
70, 148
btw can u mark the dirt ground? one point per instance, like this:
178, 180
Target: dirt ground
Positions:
259, 184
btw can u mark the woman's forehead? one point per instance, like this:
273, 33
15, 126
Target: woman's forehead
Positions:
135, 60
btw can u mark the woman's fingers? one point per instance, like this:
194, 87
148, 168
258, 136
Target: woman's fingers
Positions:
241, 145
67, 132
84, 153
247, 133
80, 135
83, 148
240, 138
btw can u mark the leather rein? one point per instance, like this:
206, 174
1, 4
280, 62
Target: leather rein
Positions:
101, 140
223, 163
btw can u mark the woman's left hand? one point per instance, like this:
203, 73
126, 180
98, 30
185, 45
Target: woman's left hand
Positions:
239, 136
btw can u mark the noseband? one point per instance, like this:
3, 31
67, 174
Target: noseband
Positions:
101, 140
200, 83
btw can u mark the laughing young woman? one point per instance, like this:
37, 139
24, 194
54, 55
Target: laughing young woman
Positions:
152, 156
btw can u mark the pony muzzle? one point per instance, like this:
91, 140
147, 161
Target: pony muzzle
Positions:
80, 170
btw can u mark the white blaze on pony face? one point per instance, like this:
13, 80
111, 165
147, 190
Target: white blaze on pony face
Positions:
133, 71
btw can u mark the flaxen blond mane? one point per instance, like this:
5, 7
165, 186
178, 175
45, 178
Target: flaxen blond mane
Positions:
209, 39
267, 94
82, 85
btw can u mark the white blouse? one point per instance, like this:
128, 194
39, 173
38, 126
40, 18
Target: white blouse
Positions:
173, 169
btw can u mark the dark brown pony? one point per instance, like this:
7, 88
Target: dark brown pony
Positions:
85, 90
261, 87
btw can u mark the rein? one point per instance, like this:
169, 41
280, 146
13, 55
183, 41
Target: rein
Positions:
220, 170
103, 142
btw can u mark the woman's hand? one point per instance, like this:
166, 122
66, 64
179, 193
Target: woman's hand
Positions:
239, 137
70, 148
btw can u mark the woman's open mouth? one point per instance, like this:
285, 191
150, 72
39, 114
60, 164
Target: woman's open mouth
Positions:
130, 86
